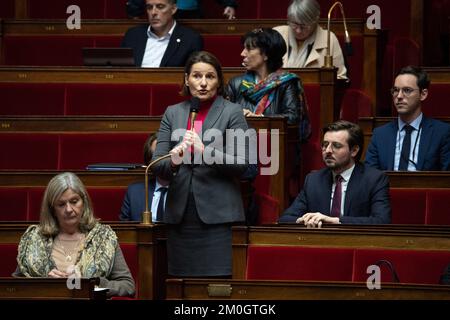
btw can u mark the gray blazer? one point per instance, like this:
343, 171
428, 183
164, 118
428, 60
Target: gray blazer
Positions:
215, 187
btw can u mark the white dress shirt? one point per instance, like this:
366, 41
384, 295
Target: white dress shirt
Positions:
155, 48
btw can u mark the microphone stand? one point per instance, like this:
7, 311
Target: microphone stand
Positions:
147, 215
328, 59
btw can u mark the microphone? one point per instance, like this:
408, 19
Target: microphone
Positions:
193, 111
195, 108
328, 59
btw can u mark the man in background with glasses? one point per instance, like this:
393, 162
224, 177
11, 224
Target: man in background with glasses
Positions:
412, 142
346, 191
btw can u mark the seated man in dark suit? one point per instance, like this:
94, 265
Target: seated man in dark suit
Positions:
164, 42
346, 191
412, 142
134, 202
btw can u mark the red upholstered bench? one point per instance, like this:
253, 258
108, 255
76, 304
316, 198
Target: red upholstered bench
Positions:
49, 9
130, 253
108, 99
29, 151
7, 9
299, 263
24, 203
29, 99
53, 50
8, 252
227, 48
433, 103
268, 209
164, 95
107, 202
412, 266
79, 150
420, 206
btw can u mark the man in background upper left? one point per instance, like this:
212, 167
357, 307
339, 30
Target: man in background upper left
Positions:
163, 42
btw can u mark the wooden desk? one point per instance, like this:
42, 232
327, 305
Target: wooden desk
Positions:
150, 241
48, 289
202, 289
347, 236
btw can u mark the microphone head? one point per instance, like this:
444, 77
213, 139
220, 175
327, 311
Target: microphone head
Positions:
195, 104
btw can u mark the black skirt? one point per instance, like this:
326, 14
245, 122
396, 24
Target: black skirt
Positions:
197, 249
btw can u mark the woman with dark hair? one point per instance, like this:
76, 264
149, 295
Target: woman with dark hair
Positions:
204, 198
265, 89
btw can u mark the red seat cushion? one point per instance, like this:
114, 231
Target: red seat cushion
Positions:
14, 204
408, 206
35, 197
7, 9
438, 207
231, 57
28, 151
53, 50
108, 99
269, 209
79, 150
299, 263
107, 202
412, 266
164, 95
31, 99
50, 9
8, 252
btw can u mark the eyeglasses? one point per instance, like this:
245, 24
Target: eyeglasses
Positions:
407, 91
301, 26
334, 145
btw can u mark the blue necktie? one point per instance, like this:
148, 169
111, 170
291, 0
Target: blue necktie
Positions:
406, 147
160, 210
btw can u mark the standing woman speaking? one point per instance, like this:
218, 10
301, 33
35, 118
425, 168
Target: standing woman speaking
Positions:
204, 198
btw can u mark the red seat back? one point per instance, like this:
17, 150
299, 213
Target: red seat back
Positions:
299, 263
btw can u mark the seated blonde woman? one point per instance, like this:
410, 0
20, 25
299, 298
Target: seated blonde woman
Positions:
69, 240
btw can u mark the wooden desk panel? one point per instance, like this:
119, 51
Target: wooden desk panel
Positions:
188, 289
345, 236
48, 289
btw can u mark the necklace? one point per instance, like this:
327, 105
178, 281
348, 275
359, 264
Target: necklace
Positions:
69, 252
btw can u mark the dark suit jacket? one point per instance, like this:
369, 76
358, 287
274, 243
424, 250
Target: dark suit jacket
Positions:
434, 146
134, 202
215, 187
366, 199
182, 43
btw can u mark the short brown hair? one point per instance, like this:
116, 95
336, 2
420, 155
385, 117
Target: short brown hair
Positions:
355, 134
148, 153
